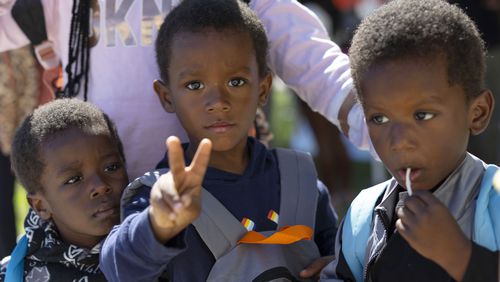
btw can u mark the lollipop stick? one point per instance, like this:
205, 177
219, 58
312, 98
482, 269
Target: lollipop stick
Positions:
408, 181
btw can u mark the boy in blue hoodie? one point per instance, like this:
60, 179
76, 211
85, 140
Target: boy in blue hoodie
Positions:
212, 60
418, 67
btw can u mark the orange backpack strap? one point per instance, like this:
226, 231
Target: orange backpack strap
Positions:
221, 231
286, 235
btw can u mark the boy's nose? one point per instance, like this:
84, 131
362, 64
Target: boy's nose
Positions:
401, 137
99, 187
217, 101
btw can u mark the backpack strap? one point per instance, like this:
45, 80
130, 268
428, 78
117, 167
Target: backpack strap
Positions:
218, 228
221, 231
299, 179
148, 179
487, 214
357, 226
29, 16
15, 268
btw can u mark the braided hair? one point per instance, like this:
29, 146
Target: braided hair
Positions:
77, 69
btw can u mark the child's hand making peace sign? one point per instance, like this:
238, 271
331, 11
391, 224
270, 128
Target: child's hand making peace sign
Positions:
175, 197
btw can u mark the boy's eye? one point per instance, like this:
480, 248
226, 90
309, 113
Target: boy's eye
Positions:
112, 167
73, 180
423, 116
195, 85
236, 82
379, 119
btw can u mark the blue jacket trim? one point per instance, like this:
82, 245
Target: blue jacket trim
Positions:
358, 221
357, 228
15, 268
487, 215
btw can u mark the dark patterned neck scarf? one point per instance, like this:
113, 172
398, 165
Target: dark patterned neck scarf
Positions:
49, 258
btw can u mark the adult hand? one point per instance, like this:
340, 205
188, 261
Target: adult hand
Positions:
313, 270
427, 225
175, 198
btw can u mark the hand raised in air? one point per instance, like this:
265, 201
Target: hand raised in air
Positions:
175, 198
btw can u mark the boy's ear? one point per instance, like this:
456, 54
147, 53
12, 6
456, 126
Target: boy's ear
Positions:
39, 204
264, 89
163, 94
481, 111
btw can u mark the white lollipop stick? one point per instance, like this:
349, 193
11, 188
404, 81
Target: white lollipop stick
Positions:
408, 181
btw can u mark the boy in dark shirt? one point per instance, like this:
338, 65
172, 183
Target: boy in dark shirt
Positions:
69, 158
212, 60
418, 67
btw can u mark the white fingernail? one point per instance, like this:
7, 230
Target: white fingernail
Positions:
177, 206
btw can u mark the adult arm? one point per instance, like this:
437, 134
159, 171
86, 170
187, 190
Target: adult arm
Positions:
5, 6
304, 57
11, 36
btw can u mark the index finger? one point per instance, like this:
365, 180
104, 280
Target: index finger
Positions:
426, 197
201, 158
175, 157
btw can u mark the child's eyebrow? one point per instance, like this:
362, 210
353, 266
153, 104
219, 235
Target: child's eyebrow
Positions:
245, 69
436, 97
71, 166
68, 167
192, 70
431, 99
110, 154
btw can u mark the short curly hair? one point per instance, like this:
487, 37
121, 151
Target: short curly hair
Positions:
423, 29
48, 121
200, 15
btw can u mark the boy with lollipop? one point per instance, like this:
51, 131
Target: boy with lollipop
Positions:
418, 67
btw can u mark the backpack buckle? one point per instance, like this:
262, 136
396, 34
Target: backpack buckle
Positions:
46, 55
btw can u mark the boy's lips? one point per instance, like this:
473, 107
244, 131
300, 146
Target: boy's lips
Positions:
414, 174
220, 126
106, 211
